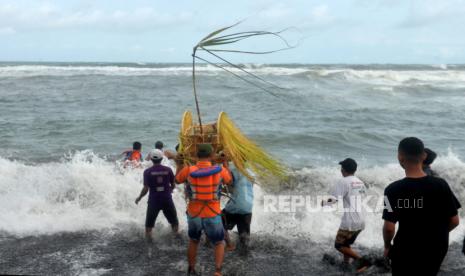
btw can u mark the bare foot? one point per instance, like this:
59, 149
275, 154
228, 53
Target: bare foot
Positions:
230, 246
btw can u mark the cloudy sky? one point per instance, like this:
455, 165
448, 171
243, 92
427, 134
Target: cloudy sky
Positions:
332, 31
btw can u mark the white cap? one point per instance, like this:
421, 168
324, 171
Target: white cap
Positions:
156, 154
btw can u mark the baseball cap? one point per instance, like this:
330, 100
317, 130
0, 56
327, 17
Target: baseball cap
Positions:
156, 154
349, 165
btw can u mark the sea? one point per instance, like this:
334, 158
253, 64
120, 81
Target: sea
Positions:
67, 207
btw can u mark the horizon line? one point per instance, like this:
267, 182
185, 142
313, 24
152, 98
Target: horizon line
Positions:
178, 62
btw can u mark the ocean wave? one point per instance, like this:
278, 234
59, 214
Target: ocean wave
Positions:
111, 70
87, 192
385, 78
392, 78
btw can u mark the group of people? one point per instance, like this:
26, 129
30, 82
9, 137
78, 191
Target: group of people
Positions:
204, 183
422, 205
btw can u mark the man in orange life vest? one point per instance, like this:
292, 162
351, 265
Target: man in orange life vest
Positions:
133, 157
204, 211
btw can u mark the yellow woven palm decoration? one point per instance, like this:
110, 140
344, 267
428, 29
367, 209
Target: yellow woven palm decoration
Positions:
223, 134
228, 139
244, 153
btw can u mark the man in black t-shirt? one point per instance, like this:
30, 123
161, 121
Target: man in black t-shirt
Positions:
426, 210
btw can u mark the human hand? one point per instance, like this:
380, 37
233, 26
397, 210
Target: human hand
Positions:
386, 251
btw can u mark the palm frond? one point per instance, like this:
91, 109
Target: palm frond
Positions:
217, 38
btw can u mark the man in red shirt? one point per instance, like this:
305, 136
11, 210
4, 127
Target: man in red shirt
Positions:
204, 182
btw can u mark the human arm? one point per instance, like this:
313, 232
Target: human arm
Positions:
226, 175
143, 192
453, 222
390, 217
145, 189
463, 248
451, 205
181, 174
389, 230
172, 182
338, 190
169, 154
329, 201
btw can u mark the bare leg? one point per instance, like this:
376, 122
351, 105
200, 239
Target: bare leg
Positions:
148, 235
245, 238
229, 244
192, 254
219, 256
348, 253
346, 259
175, 228
149, 239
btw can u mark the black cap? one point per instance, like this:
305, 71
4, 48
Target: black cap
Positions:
430, 156
159, 145
349, 165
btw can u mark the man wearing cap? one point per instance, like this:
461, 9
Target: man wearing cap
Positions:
204, 181
350, 191
159, 181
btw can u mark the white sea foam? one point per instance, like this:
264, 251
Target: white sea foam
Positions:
48, 70
89, 193
383, 77
84, 193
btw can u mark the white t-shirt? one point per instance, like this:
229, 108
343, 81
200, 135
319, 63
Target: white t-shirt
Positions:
351, 191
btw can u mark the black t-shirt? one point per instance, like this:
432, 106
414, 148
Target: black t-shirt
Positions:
423, 207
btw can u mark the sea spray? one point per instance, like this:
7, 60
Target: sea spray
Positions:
87, 192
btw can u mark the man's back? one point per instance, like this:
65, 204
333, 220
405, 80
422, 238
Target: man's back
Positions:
242, 196
351, 190
159, 179
423, 207
203, 205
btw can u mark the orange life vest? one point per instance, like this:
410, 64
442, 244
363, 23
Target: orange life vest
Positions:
134, 155
204, 185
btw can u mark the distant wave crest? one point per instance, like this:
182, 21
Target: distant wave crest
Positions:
437, 74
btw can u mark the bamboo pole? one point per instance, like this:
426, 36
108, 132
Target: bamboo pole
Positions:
195, 90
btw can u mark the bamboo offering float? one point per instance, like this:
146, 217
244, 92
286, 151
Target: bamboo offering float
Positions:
227, 140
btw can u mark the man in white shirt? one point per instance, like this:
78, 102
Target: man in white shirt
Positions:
350, 191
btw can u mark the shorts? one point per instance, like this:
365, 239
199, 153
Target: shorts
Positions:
345, 238
168, 208
212, 227
242, 221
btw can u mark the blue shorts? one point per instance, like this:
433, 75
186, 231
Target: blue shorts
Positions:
213, 228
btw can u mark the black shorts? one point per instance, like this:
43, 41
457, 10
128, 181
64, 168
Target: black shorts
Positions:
242, 222
168, 208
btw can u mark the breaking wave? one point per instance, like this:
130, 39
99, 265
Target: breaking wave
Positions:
435, 75
86, 192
